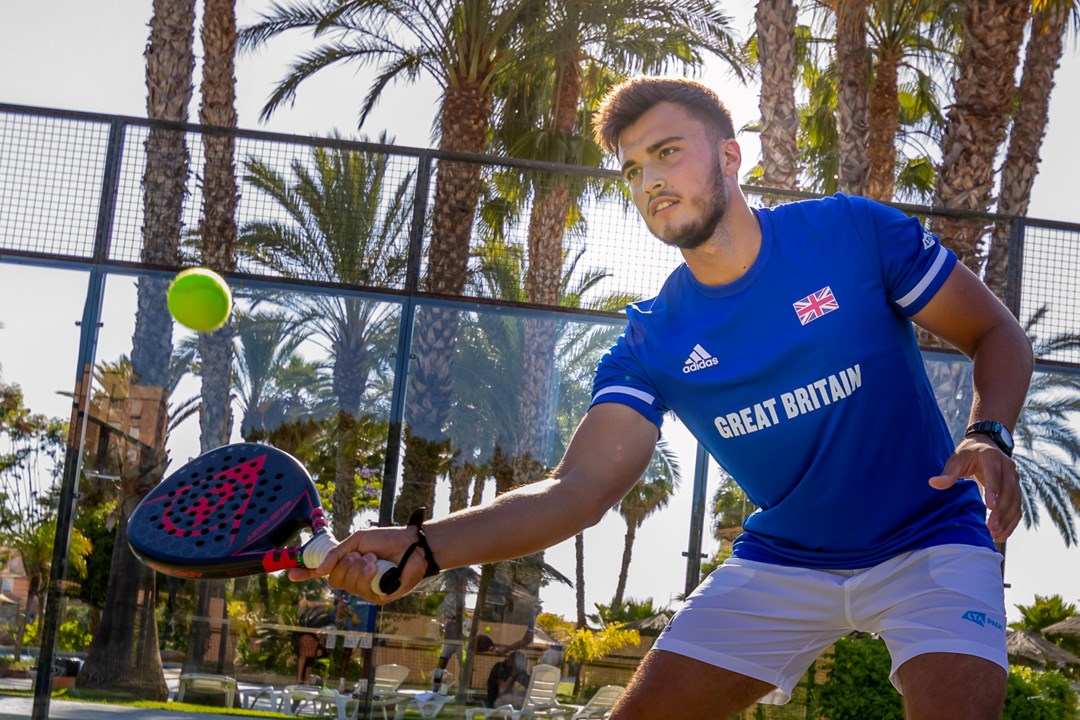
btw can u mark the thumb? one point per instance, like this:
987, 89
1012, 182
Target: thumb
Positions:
944, 481
302, 574
950, 475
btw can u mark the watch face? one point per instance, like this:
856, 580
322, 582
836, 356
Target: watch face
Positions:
1006, 436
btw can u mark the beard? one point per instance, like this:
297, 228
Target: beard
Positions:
713, 205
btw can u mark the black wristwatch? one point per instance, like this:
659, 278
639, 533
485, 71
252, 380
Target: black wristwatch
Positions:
996, 432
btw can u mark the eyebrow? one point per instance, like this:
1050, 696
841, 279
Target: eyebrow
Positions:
653, 148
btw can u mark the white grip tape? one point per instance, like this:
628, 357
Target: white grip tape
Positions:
316, 551
381, 567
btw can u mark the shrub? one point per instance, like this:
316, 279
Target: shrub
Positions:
858, 686
1033, 695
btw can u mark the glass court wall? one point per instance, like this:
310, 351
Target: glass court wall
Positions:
419, 329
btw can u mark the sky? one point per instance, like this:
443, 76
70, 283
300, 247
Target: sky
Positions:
88, 56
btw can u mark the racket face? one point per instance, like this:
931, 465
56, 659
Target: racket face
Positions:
226, 513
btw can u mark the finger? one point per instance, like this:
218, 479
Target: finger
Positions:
302, 574
353, 573
956, 467
346, 546
943, 481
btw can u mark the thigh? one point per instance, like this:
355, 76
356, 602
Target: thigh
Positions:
669, 685
759, 620
954, 686
946, 600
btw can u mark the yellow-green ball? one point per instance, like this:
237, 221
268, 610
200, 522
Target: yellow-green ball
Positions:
200, 299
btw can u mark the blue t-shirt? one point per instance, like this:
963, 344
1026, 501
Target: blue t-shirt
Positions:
804, 380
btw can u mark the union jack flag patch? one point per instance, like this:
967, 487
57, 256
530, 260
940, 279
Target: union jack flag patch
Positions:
815, 305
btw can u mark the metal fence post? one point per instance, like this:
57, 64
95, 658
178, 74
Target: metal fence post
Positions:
84, 374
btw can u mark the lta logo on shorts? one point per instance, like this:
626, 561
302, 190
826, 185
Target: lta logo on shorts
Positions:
980, 619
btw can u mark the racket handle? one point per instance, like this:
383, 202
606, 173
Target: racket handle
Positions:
387, 575
387, 578
317, 549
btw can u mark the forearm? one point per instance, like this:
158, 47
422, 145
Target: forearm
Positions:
520, 522
1002, 365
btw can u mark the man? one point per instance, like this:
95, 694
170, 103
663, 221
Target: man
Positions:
785, 344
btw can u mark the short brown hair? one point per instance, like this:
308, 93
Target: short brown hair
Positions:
631, 99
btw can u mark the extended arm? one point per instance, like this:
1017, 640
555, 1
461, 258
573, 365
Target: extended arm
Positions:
967, 315
607, 455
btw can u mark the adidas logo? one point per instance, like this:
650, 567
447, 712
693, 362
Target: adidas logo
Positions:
699, 360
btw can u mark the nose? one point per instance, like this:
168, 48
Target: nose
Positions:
652, 182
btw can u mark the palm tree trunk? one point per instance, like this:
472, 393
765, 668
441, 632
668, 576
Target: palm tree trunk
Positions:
218, 248
853, 72
984, 89
124, 653
579, 577
775, 21
463, 126
624, 567
1041, 61
884, 119
350, 380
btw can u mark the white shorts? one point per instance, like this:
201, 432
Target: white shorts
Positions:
771, 621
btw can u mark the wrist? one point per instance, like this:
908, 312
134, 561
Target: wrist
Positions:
997, 433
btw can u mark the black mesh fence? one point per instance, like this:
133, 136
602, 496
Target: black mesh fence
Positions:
361, 215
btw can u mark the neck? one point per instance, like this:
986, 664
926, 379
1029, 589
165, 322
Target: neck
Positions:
732, 249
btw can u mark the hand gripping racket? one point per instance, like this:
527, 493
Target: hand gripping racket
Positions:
230, 512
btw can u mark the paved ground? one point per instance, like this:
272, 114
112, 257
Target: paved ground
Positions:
18, 708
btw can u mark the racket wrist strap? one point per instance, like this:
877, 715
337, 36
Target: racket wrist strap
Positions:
417, 520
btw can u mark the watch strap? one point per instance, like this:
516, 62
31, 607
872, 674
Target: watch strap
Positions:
992, 429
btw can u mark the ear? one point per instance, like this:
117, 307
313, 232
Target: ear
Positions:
730, 156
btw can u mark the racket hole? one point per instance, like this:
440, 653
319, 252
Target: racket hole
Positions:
260, 493
161, 526
200, 543
153, 518
249, 521
272, 498
278, 476
235, 531
262, 511
277, 488
219, 538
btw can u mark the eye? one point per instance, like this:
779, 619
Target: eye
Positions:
664, 152
632, 173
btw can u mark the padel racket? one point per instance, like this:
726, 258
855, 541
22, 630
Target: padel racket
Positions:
231, 512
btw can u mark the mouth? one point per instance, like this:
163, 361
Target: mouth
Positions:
662, 204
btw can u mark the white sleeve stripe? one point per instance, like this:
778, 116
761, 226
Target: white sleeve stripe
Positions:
918, 290
624, 390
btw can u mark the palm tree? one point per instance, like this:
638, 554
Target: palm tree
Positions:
217, 230
217, 241
579, 51
651, 493
1050, 23
124, 652
852, 90
464, 46
775, 22
913, 36
345, 221
983, 92
273, 384
1047, 451
1045, 611
488, 372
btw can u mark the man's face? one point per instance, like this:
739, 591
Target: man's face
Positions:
675, 174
